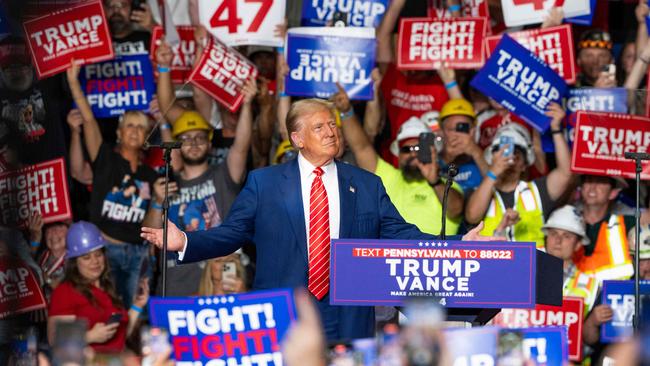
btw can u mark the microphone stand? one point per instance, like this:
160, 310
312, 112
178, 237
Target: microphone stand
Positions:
452, 171
167, 158
637, 157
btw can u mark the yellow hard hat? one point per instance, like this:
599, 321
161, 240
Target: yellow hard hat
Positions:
455, 107
189, 121
284, 147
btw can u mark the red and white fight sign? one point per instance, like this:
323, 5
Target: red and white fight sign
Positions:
426, 44
42, 187
78, 32
570, 314
553, 45
19, 288
221, 72
601, 140
241, 22
184, 52
522, 12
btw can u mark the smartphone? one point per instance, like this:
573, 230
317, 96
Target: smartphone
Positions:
463, 127
229, 269
510, 348
427, 139
69, 342
115, 318
508, 142
136, 4
340, 19
610, 69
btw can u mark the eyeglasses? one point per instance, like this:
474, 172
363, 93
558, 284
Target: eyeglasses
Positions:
409, 149
117, 5
194, 141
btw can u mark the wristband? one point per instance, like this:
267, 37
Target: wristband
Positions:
451, 84
35, 244
162, 69
454, 8
280, 50
155, 205
165, 126
282, 94
553, 132
491, 175
347, 114
137, 309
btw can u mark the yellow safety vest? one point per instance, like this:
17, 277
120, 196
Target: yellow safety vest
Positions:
584, 285
529, 206
611, 257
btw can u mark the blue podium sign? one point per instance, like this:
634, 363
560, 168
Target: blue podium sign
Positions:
619, 295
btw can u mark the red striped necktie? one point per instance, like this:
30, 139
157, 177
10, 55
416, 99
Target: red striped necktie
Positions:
319, 238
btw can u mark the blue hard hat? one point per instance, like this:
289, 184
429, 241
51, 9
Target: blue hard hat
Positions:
83, 237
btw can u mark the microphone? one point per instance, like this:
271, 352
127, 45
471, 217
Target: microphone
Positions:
637, 156
165, 145
452, 171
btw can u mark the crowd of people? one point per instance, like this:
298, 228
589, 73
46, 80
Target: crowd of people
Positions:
97, 266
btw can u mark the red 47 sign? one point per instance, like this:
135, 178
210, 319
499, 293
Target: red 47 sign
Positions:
522, 12
240, 22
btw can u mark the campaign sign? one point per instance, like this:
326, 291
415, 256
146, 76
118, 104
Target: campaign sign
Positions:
546, 345
521, 82
238, 23
317, 61
553, 45
471, 346
123, 84
601, 139
523, 12
619, 295
459, 274
570, 314
184, 52
584, 19
238, 329
79, 32
222, 72
42, 187
426, 44
19, 288
359, 13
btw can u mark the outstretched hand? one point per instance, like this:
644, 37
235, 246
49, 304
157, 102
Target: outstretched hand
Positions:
175, 237
475, 235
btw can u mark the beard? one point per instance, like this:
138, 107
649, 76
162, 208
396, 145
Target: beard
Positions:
17, 81
195, 161
117, 23
411, 172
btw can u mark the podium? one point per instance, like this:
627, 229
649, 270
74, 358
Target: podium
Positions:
473, 280
548, 284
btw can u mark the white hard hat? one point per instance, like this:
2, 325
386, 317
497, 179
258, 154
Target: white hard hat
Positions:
431, 120
412, 128
520, 137
567, 218
644, 249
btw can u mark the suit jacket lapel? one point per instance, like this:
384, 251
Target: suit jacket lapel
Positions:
292, 197
347, 195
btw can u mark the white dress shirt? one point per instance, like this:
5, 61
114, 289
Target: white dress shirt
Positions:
331, 182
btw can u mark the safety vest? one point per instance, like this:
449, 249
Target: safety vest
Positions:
611, 257
529, 206
580, 284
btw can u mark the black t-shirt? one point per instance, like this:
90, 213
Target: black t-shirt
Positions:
120, 197
548, 205
137, 42
37, 116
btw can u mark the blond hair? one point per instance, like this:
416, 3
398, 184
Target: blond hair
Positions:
303, 108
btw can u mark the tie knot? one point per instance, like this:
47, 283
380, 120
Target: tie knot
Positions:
318, 171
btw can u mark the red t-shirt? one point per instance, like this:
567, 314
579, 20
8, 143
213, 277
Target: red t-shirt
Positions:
66, 300
408, 97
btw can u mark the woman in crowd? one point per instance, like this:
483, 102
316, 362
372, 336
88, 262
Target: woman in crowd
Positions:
223, 275
87, 292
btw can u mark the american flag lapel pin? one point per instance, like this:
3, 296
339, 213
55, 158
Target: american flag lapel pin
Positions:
352, 189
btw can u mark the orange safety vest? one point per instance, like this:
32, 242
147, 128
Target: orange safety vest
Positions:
611, 257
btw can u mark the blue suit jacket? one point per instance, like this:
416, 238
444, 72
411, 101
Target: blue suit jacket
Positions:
268, 212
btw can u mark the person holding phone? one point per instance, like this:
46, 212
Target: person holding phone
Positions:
88, 292
223, 275
508, 205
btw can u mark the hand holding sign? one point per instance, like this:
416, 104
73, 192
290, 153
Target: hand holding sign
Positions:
341, 100
164, 54
557, 114
600, 314
35, 225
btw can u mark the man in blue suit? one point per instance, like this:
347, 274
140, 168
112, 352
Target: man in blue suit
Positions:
291, 211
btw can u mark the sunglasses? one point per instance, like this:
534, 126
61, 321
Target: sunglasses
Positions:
409, 149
